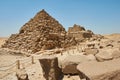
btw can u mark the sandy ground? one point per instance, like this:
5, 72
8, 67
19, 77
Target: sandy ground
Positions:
34, 70
115, 36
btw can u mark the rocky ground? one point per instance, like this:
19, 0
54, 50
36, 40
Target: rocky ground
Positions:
104, 50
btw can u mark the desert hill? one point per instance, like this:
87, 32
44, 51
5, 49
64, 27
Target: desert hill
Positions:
114, 36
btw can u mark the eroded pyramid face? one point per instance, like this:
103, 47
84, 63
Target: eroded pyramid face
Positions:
43, 21
41, 32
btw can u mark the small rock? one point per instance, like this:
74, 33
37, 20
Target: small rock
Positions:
22, 75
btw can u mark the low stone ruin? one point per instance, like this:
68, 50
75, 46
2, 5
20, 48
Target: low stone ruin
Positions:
76, 28
79, 32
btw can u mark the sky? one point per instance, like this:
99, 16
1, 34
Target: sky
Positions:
100, 16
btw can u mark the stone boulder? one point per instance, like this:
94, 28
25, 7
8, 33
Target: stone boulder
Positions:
51, 71
108, 54
115, 53
70, 62
103, 55
22, 75
91, 57
91, 51
107, 43
108, 70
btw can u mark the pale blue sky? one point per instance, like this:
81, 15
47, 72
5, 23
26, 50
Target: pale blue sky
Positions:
100, 16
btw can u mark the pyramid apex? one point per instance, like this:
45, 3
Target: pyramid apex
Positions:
43, 11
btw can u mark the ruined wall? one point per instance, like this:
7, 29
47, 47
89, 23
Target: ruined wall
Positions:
79, 32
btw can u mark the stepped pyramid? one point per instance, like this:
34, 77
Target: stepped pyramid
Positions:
40, 33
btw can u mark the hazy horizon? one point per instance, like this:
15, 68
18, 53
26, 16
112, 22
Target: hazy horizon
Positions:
102, 17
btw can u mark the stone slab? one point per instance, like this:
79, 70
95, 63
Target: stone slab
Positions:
108, 70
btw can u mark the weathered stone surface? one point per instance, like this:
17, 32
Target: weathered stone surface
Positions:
91, 57
22, 75
103, 55
108, 70
108, 54
70, 62
107, 44
91, 45
40, 33
115, 53
90, 51
51, 71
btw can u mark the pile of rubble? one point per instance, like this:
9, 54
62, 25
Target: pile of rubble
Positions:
41, 33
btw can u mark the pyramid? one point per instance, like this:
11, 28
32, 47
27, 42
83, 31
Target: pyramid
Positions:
42, 32
43, 20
